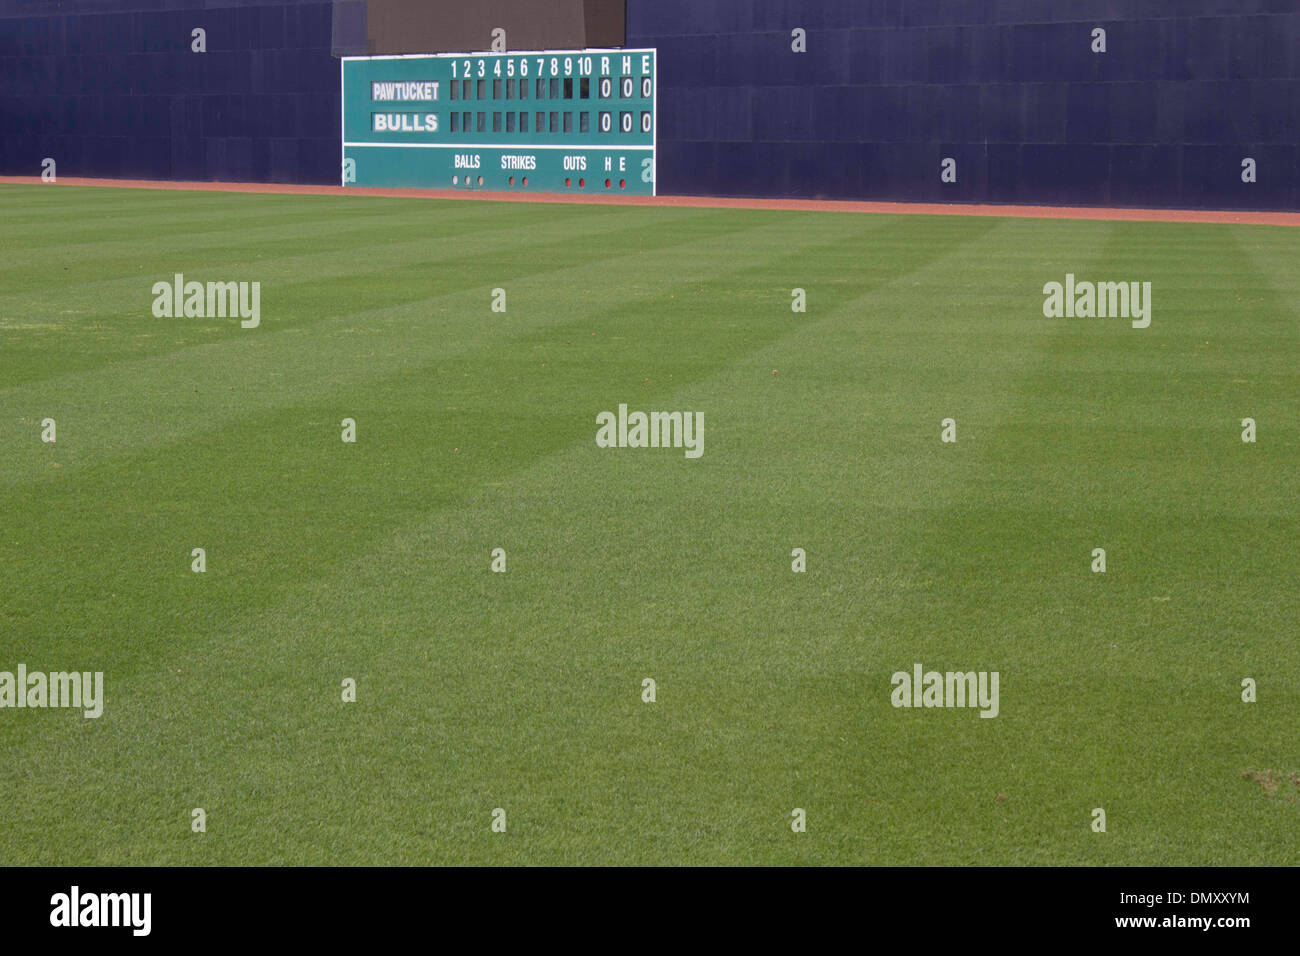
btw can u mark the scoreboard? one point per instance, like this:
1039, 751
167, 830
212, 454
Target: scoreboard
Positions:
580, 121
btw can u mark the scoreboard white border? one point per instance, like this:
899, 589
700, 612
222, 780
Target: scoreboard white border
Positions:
344, 144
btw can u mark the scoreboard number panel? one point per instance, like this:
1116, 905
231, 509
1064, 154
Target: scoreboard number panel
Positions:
532, 121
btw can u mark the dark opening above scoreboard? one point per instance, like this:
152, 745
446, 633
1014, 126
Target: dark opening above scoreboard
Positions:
545, 121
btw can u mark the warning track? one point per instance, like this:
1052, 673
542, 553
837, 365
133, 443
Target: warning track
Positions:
1246, 217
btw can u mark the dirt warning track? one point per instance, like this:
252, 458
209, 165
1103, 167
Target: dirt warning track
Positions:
712, 202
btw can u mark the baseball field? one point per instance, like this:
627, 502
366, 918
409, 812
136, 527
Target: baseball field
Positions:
490, 629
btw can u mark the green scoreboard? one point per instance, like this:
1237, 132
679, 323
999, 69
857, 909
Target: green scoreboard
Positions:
578, 121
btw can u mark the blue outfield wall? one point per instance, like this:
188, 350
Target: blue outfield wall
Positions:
1010, 90
111, 88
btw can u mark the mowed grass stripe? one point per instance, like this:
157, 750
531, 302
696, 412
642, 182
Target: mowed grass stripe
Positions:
781, 306
310, 223
297, 290
187, 473
866, 473
66, 233
85, 211
313, 602
1151, 637
494, 441
406, 322
479, 689
400, 251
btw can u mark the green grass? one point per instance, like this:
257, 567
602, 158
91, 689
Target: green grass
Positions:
522, 691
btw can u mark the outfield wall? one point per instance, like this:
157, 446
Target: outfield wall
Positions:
112, 88
1009, 90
